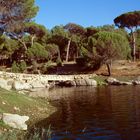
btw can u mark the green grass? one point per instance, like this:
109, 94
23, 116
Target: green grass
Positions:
100, 80
35, 108
2, 124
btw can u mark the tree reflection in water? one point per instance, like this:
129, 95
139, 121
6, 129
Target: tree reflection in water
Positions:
102, 113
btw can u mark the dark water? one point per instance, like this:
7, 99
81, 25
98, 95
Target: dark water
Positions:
103, 113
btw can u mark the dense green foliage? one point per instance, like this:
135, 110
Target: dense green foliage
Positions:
37, 51
30, 46
130, 20
14, 14
112, 45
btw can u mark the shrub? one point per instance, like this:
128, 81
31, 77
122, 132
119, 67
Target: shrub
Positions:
15, 67
34, 67
59, 62
37, 51
47, 66
22, 66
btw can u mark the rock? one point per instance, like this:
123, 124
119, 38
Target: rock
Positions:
80, 82
16, 108
73, 83
37, 84
91, 82
15, 121
125, 83
10, 82
136, 82
4, 84
50, 85
113, 81
21, 92
17, 85
3, 103
66, 83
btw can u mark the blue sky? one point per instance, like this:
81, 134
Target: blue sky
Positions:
83, 12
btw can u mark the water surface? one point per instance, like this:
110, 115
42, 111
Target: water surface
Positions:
88, 113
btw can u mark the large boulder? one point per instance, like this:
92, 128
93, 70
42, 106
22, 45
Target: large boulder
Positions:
113, 81
136, 81
125, 83
18, 85
15, 121
4, 84
91, 82
38, 84
66, 83
80, 82
85, 82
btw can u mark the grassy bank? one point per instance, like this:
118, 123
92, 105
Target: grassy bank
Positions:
13, 102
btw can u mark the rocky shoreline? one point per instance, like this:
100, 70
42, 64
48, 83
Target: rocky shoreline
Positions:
31, 82
114, 81
18, 81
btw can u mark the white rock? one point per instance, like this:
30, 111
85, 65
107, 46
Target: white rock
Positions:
4, 85
125, 83
16, 108
3, 103
136, 82
15, 121
91, 82
80, 82
37, 84
17, 85
111, 80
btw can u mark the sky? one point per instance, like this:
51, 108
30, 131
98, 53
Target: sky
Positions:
83, 12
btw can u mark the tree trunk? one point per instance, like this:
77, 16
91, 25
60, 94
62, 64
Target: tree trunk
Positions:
59, 55
23, 43
108, 68
68, 48
32, 40
133, 45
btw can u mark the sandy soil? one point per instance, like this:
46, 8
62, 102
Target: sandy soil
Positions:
122, 68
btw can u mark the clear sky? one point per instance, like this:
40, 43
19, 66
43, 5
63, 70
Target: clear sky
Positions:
83, 12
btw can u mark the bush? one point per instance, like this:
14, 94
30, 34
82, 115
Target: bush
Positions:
21, 67
34, 67
15, 67
37, 51
47, 66
59, 62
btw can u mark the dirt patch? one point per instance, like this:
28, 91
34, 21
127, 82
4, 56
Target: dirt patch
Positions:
122, 68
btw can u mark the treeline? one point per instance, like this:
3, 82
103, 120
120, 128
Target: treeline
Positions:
25, 43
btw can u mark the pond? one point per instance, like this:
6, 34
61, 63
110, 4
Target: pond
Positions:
89, 113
